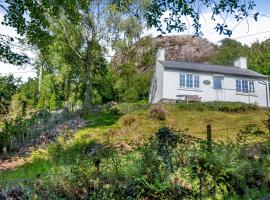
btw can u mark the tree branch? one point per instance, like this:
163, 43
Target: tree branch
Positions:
71, 46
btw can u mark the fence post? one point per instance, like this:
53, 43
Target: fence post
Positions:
209, 137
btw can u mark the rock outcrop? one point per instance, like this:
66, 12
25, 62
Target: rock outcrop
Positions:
186, 48
178, 48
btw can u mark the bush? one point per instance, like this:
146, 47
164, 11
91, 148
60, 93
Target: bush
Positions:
128, 120
157, 112
218, 106
249, 130
125, 108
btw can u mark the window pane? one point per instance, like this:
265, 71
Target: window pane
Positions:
189, 81
238, 86
251, 87
196, 82
182, 80
218, 83
244, 86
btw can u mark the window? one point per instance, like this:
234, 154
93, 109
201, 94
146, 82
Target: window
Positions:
251, 87
196, 82
182, 80
238, 86
245, 86
189, 81
218, 82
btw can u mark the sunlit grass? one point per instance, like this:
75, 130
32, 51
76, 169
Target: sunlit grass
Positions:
104, 128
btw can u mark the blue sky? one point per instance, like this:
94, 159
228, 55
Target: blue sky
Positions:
262, 6
257, 31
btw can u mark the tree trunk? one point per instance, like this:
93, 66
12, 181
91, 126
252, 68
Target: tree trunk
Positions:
87, 104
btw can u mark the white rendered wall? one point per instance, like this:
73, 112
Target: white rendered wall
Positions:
156, 90
171, 88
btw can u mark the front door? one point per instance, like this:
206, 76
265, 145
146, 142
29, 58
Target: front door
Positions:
218, 87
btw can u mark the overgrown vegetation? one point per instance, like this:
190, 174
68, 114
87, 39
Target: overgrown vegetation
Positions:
129, 149
218, 106
170, 165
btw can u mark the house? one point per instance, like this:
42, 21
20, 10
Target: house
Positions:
175, 80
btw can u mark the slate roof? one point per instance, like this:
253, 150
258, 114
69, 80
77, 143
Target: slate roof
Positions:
219, 69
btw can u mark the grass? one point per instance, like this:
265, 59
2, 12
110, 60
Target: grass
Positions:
106, 127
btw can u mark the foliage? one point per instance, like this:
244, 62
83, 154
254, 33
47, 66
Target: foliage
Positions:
258, 56
171, 165
128, 120
155, 10
248, 131
8, 87
7, 54
132, 66
157, 112
218, 106
229, 51
24, 100
36, 24
33, 25
267, 122
125, 108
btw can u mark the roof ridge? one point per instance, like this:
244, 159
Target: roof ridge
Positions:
223, 69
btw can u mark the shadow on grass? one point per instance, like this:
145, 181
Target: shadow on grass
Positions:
26, 172
101, 119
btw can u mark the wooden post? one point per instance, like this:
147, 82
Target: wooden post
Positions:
209, 137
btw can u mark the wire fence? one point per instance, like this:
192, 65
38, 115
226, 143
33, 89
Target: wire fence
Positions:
232, 134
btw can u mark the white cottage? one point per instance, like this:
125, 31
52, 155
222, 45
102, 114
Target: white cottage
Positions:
175, 80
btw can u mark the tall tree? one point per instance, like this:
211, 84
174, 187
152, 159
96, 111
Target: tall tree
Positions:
228, 52
259, 57
31, 18
8, 86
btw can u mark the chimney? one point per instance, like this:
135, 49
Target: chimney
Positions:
160, 54
241, 63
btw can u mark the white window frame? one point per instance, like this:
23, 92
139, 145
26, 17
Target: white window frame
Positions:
185, 81
242, 91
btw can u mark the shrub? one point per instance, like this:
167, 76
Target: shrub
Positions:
249, 130
267, 122
125, 108
128, 120
157, 112
218, 106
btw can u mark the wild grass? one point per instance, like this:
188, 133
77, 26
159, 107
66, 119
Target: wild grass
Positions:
108, 129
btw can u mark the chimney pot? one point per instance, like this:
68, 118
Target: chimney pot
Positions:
241, 63
161, 54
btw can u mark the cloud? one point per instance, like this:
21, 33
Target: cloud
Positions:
246, 32
25, 71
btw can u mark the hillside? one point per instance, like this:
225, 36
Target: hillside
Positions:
109, 135
182, 48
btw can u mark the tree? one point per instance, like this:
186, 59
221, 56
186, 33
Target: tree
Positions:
179, 10
8, 87
31, 18
25, 99
228, 52
259, 56
133, 68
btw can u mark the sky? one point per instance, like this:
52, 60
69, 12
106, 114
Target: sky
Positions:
244, 32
